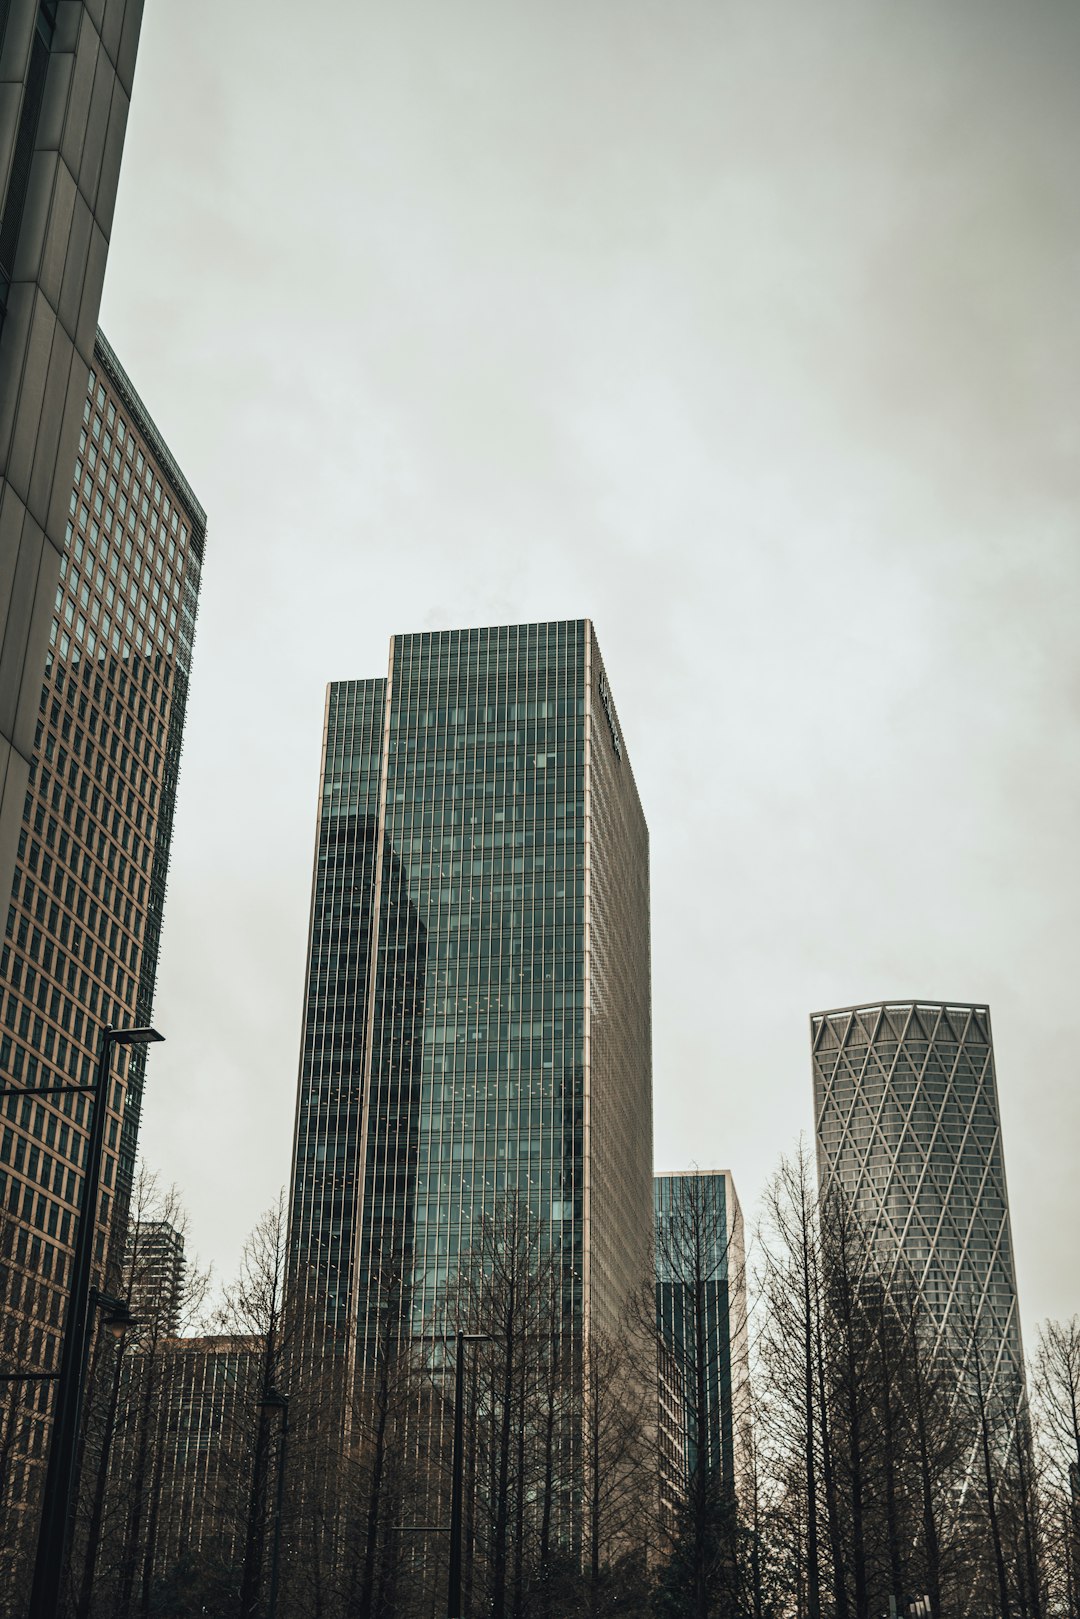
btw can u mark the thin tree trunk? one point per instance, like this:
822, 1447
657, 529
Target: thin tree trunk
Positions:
470, 1489
251, 1577
133, 1533
153, 1518
594, 1507
929, 1516
85, 1600
828, 1479
699, 1484
371, 1537
855, 1445
502, 1505
549, 1482
1031, 1554
813, 1562
991, 1497
519, 1502
896, 1571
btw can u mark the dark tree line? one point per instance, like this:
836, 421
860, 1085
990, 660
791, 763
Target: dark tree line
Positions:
880, 1464
906, 1465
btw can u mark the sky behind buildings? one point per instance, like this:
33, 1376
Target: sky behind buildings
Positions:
749, 331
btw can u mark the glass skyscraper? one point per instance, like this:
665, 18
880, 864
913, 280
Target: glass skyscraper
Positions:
907, 1121
700, 1265
477, 1017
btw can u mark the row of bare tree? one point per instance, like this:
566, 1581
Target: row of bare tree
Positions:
886, 1465
905, 1463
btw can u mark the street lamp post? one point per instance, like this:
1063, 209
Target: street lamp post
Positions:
58, 1500
116, 1322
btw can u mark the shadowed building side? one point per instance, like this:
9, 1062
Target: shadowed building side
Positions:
86, 903
326, 1179
65, 83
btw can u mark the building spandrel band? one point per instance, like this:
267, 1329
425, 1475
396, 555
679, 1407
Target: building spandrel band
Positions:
908, 1127
477, 1019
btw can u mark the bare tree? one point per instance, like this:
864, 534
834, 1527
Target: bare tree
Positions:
789, 1358
618, 1451
254, 1308
526, 1417
1056, 1382
23, 1407
379, 1485
124, 1451
864, 1431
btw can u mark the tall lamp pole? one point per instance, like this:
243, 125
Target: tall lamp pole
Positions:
57, 1505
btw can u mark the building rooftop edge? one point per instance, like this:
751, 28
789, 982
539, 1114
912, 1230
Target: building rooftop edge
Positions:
128, 392
701, 1174
900, 1004
458, 629
485, 629
205, 1343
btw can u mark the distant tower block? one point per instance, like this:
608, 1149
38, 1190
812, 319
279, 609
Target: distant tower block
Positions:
699, 1242
154, 1273
907, 1124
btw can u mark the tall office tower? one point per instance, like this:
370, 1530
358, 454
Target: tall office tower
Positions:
477, 1019
906, 1108
154, 1274
65, 82
700, 1267
80, 943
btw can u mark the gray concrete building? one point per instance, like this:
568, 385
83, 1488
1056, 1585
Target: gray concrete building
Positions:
65, 81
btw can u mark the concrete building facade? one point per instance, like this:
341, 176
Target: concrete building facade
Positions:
66, 73
83, 921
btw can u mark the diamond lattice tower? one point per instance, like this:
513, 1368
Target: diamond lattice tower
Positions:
907, 1124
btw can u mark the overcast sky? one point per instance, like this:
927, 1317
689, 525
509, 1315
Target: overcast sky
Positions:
750, 331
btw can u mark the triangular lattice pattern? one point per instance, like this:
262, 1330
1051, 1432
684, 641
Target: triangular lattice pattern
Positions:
907, 1122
